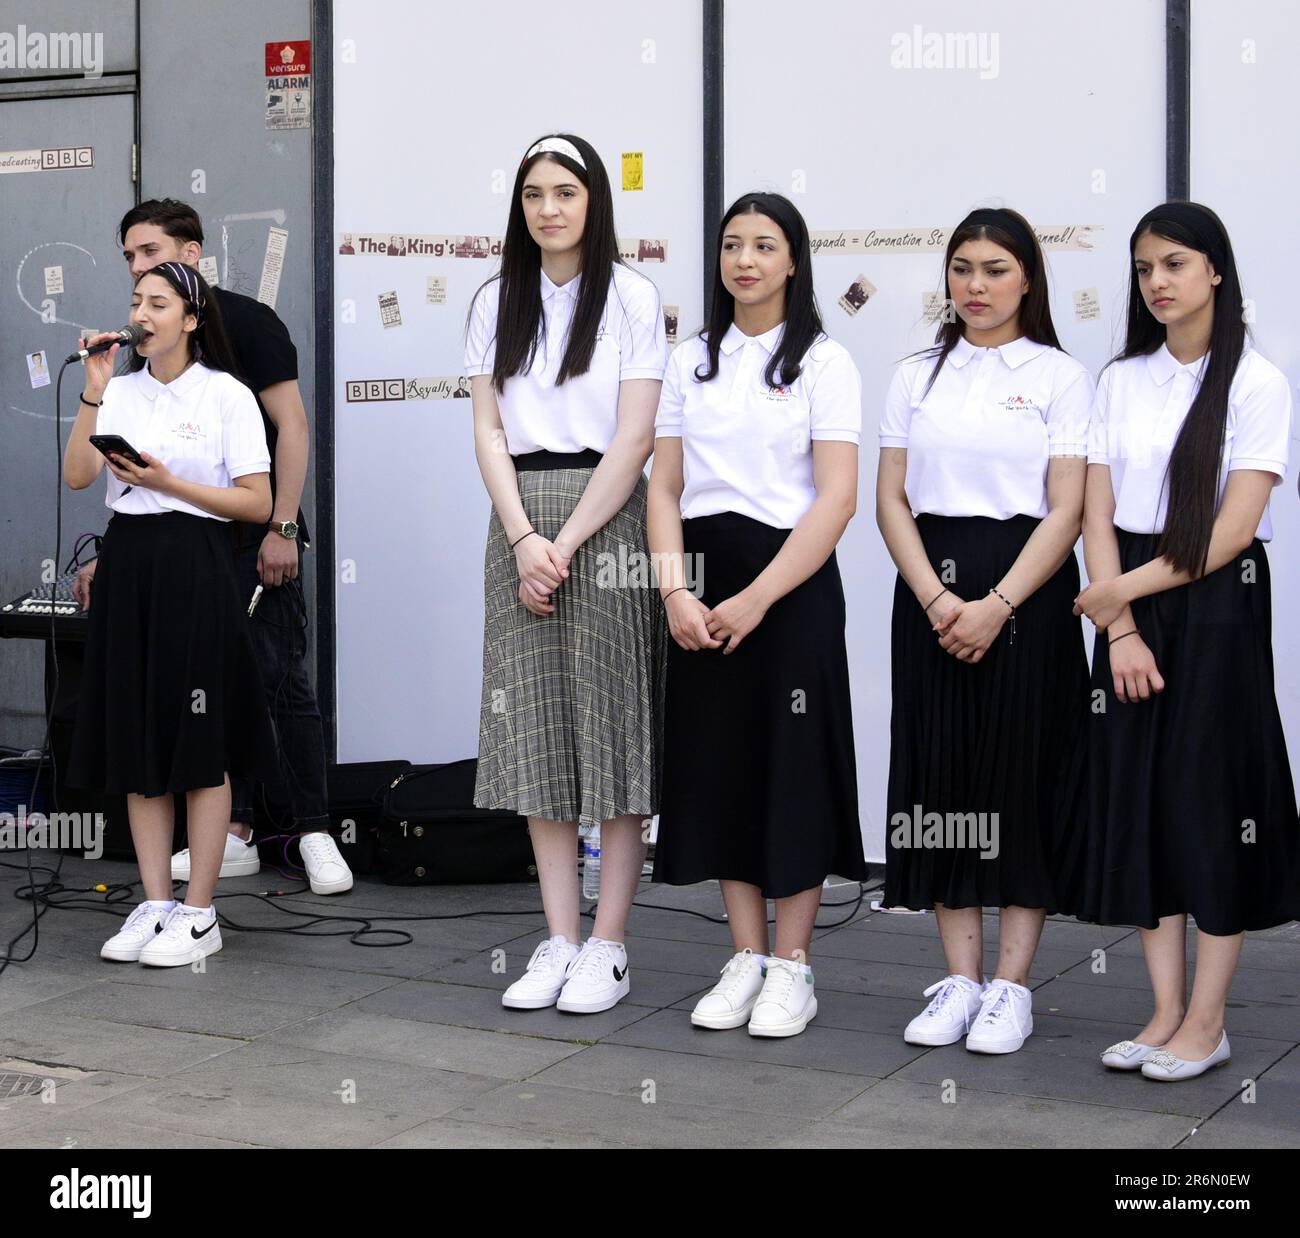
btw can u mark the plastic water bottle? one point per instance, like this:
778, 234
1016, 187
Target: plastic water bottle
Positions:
591, 864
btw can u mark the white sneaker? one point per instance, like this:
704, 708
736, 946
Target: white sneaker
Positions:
327, 870
1005, 1019
731, 1001
186, 937
598, 978
239, 860
143, 924
544, 977
786, 1004
954, 1005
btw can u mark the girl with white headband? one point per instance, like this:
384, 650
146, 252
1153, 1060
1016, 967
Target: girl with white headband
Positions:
171, 701
566, 348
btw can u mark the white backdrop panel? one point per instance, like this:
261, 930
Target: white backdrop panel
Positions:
1061, 118
433, 106
1244, 166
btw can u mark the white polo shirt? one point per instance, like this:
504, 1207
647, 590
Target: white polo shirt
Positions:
582, 413
747, 447
204, 426
1140, 407
979, 441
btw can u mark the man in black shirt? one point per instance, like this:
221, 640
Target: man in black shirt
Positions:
167, 230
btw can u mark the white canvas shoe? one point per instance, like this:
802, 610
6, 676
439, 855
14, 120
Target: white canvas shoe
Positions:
327, 870
544, 977
786, 1004
955, 1001
598, 978
238, 860
143, 924
186, 937
1005, 1020
731, 1001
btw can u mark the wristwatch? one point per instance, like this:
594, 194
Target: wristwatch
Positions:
286, 529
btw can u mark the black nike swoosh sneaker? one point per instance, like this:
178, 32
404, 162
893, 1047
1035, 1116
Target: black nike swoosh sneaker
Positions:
199, 936
618, 975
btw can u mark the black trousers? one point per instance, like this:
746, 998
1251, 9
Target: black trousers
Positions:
279, 631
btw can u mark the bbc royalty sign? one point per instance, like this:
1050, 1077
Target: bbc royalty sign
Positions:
67, 157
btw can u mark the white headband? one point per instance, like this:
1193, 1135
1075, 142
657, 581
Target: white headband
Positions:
557, 146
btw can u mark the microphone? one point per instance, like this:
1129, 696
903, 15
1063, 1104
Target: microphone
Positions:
128, 336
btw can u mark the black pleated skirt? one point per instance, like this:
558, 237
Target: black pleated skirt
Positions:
760, 780
171, 698
1191, 804
987, 761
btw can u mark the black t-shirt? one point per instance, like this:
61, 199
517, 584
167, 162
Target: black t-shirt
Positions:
266, 356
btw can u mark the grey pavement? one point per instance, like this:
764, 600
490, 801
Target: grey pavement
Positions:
285, 1041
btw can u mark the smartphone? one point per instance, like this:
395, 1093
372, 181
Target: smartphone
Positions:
116, 445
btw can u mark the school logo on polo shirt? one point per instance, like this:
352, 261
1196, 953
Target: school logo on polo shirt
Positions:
1021, 404
190, 431
778, 395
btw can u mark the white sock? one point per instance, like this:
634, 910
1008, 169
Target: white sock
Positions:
206, 912
163, 904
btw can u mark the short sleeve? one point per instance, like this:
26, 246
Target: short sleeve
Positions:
1068, 415
480, 341
642, 338
1098, 417
243, 438
261, 343
668, 419
835, 401
896, 420
1263, 427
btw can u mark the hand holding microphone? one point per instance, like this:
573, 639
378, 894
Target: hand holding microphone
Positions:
99, 354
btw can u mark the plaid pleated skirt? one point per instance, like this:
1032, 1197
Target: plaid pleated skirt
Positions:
571, 722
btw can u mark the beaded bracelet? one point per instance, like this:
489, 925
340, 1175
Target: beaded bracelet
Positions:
1012, 609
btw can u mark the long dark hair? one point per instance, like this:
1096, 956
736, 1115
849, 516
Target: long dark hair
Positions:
1011, 230
520, 322
803, 322
208, 342
1193, 469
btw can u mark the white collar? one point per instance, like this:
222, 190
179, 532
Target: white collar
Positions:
550, 290
736, 338
1162, 365
179, 385
1015, 353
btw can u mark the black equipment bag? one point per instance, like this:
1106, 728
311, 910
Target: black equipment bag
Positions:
430, 834
356, 792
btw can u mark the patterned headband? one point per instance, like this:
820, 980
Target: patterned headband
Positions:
186, 281
556, 146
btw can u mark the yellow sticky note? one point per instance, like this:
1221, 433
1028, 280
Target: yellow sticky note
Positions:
633, 170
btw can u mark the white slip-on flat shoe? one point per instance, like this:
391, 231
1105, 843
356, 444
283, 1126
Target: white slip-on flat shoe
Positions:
1167, 1066
1127, 1055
